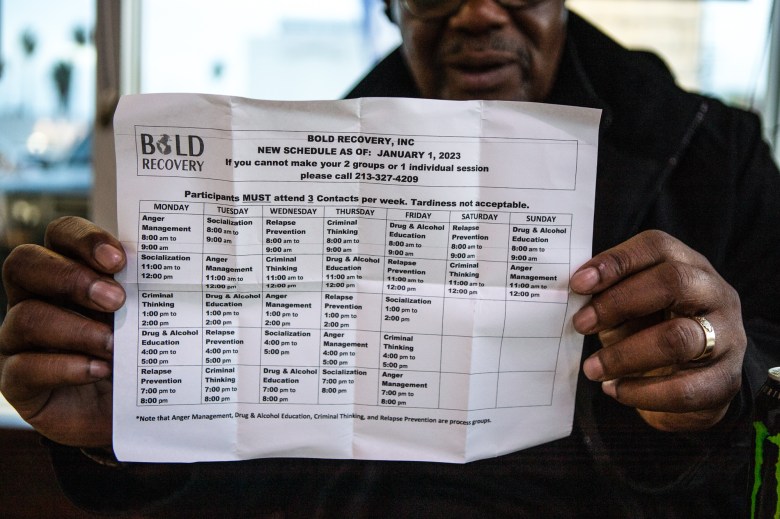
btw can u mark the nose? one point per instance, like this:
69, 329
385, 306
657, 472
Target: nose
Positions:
480, 16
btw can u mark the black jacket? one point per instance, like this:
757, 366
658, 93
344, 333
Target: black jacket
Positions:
668, 160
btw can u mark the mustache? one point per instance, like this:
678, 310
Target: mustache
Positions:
491, 44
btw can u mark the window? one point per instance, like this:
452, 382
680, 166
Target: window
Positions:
297, 49
717, 47
47, 76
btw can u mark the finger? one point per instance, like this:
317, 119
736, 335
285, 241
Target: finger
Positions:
31, 271
673, 285
614, 335
634, 255
27, 379
669, 343
684, 391
82, 240
65, 330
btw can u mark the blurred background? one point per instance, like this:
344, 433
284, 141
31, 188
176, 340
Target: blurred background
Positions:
64, 64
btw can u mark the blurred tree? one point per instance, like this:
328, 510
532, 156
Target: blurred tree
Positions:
29, 43
62, 75
80, 36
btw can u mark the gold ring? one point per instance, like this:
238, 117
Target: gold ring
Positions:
709, 338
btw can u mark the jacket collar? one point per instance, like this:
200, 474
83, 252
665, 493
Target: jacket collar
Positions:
647, 124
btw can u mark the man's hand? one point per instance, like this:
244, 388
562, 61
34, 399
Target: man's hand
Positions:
56, 341
644, 292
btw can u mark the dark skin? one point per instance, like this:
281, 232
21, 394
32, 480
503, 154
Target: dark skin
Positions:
647, 358
56, 342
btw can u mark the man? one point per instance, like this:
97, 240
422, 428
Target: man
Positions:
680, 328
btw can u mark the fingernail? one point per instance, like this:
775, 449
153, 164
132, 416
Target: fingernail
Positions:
610, 388
585, 280
108, 256
110, 343
585, 320
106, 295
593, 368
98, 369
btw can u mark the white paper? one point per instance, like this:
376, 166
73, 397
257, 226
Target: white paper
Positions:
369, 279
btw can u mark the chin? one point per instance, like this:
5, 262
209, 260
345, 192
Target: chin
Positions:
495, 92
487, 95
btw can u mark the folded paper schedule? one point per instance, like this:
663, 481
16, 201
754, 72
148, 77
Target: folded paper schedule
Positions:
368, 279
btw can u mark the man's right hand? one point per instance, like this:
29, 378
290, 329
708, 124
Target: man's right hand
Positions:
56, 341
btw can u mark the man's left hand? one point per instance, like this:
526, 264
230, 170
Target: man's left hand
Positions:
645, 293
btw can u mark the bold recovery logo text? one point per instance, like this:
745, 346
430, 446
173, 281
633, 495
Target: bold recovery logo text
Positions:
179, 146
